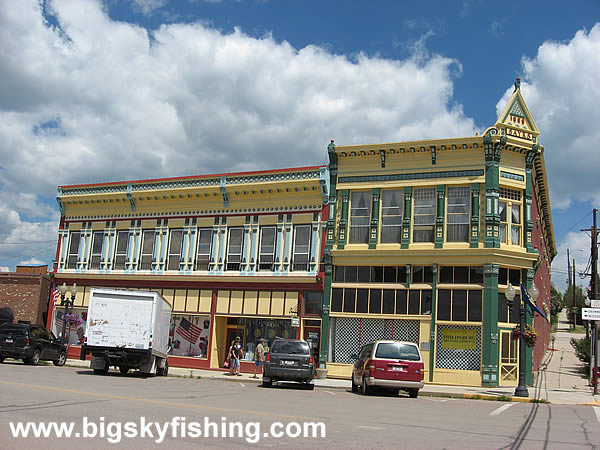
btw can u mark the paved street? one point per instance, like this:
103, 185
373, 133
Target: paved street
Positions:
46, 393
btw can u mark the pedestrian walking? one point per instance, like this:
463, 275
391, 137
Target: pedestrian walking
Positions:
235, 355
259, 357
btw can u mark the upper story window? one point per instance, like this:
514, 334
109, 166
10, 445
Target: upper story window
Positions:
360, 217
301, 255
391, 215
175, 247
457, 219
266, 255
424, 215
73, 251
510, 216
97, 242
147, 250
121, 250
203, 248
235, 243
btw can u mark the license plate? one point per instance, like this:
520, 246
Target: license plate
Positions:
397, 368
8, 341
288, 363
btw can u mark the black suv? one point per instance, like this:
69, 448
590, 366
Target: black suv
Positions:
289, 360
31, 343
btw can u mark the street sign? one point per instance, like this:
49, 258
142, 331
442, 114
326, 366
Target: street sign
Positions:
590, 313
296, 320
595, 303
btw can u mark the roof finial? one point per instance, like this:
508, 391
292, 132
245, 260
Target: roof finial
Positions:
517, 84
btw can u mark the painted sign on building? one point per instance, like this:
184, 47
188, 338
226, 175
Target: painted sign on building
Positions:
465, 339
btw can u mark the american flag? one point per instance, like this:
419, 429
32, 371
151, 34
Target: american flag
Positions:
55, 296
188, 330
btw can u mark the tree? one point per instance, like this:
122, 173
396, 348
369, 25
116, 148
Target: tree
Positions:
579, 303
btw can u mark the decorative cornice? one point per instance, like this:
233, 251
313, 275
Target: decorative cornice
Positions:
413, 176
512, 176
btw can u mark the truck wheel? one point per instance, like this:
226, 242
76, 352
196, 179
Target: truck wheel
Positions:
413, 393
35, 358
103, 371
165, 371
124, 369
62, 359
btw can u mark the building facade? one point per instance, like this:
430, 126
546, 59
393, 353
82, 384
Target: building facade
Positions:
235, 254
424, 237
26, 292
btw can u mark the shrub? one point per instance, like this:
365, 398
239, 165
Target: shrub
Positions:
582, 349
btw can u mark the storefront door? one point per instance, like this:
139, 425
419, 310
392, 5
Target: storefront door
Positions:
509, 372
312, 335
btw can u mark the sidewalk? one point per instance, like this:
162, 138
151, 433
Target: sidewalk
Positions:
558, 380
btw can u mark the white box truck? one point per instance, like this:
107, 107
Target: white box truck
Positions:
127, 329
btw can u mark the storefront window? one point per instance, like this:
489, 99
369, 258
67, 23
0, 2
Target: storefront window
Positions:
313, 303
73, 250
251, 330
75, 331
189, 335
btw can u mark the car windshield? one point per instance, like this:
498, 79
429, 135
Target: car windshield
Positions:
396, 350
290, 348
13, 329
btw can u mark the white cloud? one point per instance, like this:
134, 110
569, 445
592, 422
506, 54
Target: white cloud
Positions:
30, 262
578, 244
147, 7
96, 100
4, 269
561, 86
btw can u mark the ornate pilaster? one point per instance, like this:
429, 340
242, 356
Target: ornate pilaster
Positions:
375, 195
439, 220
254, 236
490, 344
279, 245
406, 217
493, 151
343, 226
529, 160
245, 248
433, 317
474, 215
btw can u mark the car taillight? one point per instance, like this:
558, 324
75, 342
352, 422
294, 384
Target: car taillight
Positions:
371, 365
27, 341
311, 360
268, 357
150, 344
85, 339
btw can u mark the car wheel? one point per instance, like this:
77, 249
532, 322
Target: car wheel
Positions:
413, 393
395, 392
267, 382
62, 359
124, 369
354, 386
1, 360
35, 358
366, 389
165, 371
310, 386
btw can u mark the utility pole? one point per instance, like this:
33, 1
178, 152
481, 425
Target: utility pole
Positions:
569, 273
574, 298
595, 294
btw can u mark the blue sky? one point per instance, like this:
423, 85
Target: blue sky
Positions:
96, 91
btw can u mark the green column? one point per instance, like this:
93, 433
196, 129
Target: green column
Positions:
490, 347
343, 226
439, 221
475, 215
493, 151
433, 315
407, 217
375, 194
527, 276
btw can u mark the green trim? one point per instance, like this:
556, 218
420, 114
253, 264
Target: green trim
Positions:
439, 221
475, 215
413, 176
343, 225
433, 316
408, 275
528, 275
375, 197
406, 220
490, 345
512, 176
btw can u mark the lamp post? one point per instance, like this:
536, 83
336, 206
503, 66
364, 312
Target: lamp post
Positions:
68, 304
521, 390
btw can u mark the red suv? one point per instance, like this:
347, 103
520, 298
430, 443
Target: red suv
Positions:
393, 365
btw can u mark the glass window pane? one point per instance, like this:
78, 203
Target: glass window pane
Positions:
502, 308
461, 274
424, 214
362, 299
427, 274
503, 276
401, 274
401, 301
515, 277
74, 245
444, 301
339, 274
476, 274
515, 312
417, 274
97, 244
389, 301
336, 299
375, 303
377, 274
364, 274
391, 215
351, 274
474, 306
389, 274
122, 241
447, 274
426, 301
313, 302
360, 216
414, 301
349, 300
459, 305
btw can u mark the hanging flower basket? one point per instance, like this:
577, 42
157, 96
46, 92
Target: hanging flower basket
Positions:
73, 320
529, 335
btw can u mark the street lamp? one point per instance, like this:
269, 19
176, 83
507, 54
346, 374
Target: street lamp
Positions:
68, 304
510, 293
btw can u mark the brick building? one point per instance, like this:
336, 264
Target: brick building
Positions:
26, 292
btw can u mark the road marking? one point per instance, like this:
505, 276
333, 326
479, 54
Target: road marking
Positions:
242, 385
597, 411
329, 392
438, 400
367, 427
151, 401
501, 409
